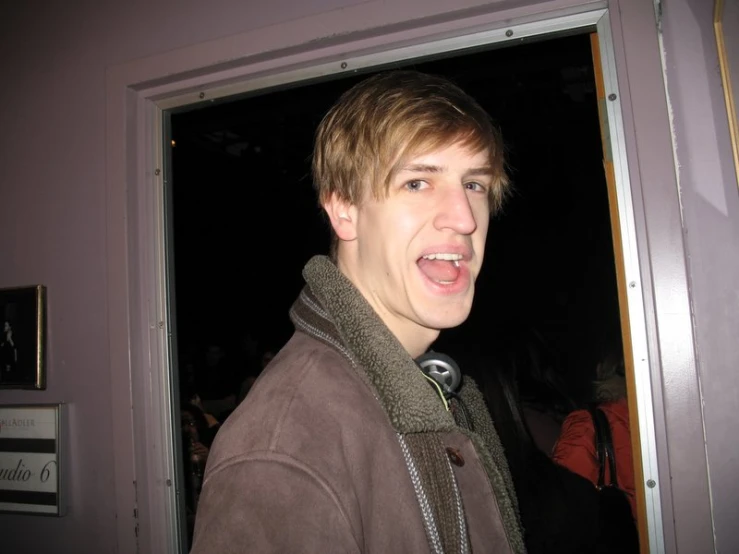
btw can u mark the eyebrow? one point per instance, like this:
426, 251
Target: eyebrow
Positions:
424, 168
486, 170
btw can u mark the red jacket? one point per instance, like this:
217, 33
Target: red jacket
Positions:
575, 448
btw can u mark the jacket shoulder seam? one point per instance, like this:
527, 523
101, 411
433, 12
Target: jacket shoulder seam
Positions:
270, 456
309, 361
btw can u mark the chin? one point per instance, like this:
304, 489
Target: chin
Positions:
448, 320
452, 323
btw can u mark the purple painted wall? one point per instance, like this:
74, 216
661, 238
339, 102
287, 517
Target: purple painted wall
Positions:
53, 218
53, 208
710, 199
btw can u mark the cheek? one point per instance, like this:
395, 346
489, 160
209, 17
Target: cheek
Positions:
398, 232
482, 218
406, 222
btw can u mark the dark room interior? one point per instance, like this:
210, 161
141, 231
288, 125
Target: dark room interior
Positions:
246, 218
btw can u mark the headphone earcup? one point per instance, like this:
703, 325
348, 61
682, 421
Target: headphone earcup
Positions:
442, 369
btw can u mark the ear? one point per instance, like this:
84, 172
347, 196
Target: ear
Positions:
343, 217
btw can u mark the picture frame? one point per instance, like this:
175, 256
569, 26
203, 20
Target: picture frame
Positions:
23, 337
726, 28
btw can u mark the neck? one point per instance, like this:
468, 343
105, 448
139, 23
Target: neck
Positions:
423, 341
415, 338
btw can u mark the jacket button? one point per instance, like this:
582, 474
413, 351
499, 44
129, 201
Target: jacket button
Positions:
455, 456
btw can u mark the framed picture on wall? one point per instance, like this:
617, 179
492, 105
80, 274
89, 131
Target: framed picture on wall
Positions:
22, 337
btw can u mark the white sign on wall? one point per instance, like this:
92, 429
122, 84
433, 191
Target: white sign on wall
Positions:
30, 440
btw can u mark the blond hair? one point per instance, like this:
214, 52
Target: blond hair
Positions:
379, 123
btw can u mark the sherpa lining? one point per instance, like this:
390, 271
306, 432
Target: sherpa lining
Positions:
411, 404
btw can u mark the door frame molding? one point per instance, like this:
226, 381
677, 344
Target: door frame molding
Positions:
140, 92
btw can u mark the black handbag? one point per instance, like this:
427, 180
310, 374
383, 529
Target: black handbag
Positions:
617, 532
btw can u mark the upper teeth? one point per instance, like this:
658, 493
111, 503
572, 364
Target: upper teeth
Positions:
448, 257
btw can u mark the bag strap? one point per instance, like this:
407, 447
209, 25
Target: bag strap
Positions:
604, 447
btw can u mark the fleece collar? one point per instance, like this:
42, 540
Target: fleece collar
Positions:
332, 309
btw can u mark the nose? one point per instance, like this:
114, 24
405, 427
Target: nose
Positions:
455, 212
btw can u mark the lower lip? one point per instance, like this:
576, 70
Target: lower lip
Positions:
459, 285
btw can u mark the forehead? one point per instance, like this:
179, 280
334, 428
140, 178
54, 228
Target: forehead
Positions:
453, 153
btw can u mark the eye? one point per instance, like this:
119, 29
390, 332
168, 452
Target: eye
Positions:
476, 187
416, 185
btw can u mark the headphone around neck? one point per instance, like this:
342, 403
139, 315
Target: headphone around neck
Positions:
442, 369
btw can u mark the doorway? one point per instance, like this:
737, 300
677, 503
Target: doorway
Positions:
245, 221
246, 218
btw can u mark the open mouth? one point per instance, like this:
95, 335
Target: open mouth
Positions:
441, 267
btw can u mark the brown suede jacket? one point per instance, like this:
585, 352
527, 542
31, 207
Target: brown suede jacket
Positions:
343, 447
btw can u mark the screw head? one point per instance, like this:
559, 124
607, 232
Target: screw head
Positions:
509, 33
612, 96
632, 284
201, 95
651, 483
343, 65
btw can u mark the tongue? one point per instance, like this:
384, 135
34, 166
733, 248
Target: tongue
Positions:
439, 270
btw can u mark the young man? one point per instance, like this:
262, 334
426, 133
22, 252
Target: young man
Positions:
343, 444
